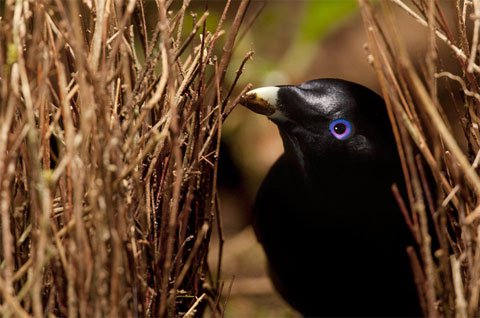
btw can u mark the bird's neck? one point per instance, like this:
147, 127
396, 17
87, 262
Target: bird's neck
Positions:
335, 172
294, 154
340, 170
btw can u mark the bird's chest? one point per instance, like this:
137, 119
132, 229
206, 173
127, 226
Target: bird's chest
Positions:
344, 204
341, 226
330, 212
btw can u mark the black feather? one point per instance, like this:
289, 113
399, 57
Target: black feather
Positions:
325, 215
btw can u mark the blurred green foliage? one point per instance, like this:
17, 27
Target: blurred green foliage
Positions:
321, 16
318, 18
286, 37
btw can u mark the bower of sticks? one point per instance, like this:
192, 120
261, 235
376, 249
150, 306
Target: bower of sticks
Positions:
110, 126
433, 103
111, 116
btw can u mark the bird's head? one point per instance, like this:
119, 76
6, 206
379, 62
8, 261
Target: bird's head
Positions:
327, 121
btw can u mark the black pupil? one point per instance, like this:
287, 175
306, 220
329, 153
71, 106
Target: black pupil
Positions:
340, 128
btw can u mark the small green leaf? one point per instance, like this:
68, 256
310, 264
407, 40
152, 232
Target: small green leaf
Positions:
12, 54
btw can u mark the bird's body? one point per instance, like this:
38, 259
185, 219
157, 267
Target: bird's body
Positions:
334, 237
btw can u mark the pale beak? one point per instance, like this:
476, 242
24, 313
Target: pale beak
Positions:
262, 100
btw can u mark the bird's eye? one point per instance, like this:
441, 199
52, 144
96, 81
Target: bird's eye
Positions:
340, 128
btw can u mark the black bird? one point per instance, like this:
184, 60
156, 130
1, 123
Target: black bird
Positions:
325, 215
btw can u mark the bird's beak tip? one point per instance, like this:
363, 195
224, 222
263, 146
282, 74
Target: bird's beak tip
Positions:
261, 100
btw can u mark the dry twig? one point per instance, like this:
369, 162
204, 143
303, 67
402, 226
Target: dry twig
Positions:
107, 131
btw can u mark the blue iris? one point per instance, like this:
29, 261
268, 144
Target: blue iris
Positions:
340, 128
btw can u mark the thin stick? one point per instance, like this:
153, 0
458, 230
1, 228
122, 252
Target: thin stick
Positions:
474, 44
460, 302
440, 35
191, 311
